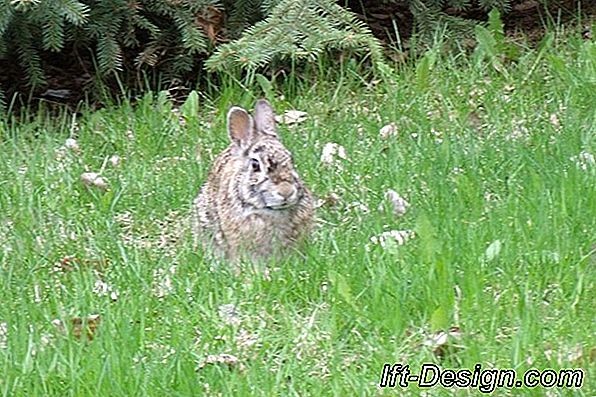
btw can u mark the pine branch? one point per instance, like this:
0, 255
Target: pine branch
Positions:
243, 14
74, 12
2, 102
193, 39
140, 21
109, 54
29, 58
460, 4
268, 5
6, 15
53, 31
299, 30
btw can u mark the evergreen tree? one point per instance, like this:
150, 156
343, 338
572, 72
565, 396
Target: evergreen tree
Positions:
177, 36
297, 30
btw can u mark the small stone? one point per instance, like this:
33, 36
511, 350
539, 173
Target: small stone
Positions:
332, 152
291, 117
115, 160
93, 179
73, 145
388, 131
398, 204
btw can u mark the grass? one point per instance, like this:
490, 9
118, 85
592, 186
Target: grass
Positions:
494, 162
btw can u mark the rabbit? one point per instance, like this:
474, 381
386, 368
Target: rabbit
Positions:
254, 204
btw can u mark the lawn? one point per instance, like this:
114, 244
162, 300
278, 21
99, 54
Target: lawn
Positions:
102, 292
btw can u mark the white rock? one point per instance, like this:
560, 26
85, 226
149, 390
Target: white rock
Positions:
388, 131
115, 160
93, 179
229, 314
399, 237
291, 117
332, 152
584, 160
398, 204
73, 145
3, 335
554, 120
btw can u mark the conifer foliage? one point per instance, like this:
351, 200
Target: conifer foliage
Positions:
164, 33
297, 30
27, 26
176, 37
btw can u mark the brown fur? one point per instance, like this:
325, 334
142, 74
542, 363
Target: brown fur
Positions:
253, 204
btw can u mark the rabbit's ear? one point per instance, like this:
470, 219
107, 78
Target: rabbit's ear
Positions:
240, 126
265, 118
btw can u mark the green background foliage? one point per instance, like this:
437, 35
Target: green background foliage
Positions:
176, 37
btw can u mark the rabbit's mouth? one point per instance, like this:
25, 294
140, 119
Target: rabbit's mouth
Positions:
280, 201
278, 207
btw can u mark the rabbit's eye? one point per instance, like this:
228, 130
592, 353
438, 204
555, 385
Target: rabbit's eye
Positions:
254, 165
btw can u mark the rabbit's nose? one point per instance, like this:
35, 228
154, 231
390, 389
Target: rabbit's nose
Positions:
285, 189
